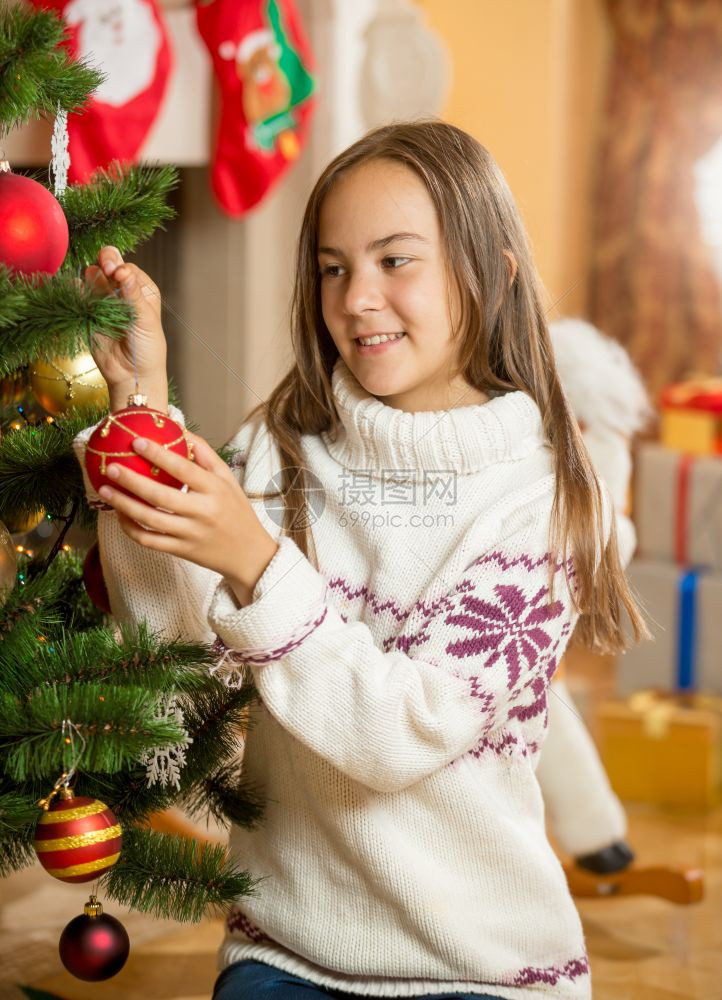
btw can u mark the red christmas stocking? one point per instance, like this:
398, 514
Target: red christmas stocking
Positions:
262, 61
128, 41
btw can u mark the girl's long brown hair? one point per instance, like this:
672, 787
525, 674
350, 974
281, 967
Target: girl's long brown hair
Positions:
504, 345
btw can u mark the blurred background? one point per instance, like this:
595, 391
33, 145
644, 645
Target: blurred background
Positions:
605, 117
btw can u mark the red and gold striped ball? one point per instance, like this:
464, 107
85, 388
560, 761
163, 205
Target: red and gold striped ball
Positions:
77, 839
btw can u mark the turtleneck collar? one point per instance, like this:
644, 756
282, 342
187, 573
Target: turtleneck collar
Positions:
374, 436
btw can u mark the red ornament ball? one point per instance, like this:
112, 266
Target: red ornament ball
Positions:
33, 227
94, 580
77, 839
112, 442
94, 946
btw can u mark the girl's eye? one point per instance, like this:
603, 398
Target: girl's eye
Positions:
389, 263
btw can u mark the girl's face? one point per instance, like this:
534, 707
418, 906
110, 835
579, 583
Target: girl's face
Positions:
383, 271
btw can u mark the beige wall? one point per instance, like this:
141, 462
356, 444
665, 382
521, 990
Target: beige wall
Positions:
528, 78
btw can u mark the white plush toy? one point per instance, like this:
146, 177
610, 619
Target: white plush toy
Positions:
609, 401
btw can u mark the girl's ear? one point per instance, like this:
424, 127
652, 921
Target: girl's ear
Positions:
511, 265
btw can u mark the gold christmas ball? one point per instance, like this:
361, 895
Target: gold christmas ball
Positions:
8, 563
21, 524
62, 383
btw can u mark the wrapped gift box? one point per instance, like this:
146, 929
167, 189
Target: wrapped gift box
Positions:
691, 415
678, 506
663, 749
683, 609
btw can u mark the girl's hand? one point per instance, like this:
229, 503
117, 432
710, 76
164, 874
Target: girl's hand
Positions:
147, 350
213, 524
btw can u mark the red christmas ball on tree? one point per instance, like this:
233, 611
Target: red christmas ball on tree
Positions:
94, 946
111, 442
33, 227
77, 839
94, 580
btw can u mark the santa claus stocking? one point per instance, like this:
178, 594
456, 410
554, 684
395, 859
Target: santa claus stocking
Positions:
261, 60
128, 41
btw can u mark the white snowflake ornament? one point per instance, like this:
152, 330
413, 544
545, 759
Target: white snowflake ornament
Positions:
163, 766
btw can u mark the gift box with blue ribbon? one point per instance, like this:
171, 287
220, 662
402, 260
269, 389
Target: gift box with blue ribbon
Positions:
683, 608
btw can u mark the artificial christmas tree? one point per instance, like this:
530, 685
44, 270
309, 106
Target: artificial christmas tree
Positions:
100, 726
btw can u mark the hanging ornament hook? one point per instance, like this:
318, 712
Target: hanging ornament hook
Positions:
69, 729
62, 785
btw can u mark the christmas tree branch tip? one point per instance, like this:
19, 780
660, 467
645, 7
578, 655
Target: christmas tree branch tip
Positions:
120, 207
177, 877
133, 658
226, 797
43, 319
111, 728
37, 75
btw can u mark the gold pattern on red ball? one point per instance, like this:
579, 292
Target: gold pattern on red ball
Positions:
77, 839
111, 442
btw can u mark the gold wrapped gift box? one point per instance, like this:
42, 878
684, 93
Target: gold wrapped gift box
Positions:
692, 416
663, 748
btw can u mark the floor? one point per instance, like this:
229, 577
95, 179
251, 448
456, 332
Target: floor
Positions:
640, 948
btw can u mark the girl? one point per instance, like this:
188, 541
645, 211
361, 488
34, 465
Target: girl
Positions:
458, 535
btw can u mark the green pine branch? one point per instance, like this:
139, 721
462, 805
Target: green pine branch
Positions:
33, 606
36, 76
74, 610
17, 852
117, 724
45, 600
39, 471
120, 207
17, 812
132, 799
48, 318
178, 877
133, 659
227, 797
214, 718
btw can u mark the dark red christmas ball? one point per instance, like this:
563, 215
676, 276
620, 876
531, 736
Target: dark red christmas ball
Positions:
33, 227
94, 946
94, 580
112, 442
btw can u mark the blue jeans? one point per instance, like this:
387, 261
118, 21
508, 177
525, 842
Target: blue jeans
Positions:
249, 980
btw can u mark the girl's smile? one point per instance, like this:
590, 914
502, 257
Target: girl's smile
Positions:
374, 349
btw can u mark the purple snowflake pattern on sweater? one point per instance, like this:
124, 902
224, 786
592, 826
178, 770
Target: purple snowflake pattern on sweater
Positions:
511, 629
509, 624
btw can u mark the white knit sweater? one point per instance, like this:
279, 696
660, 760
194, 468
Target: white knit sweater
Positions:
403, 703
